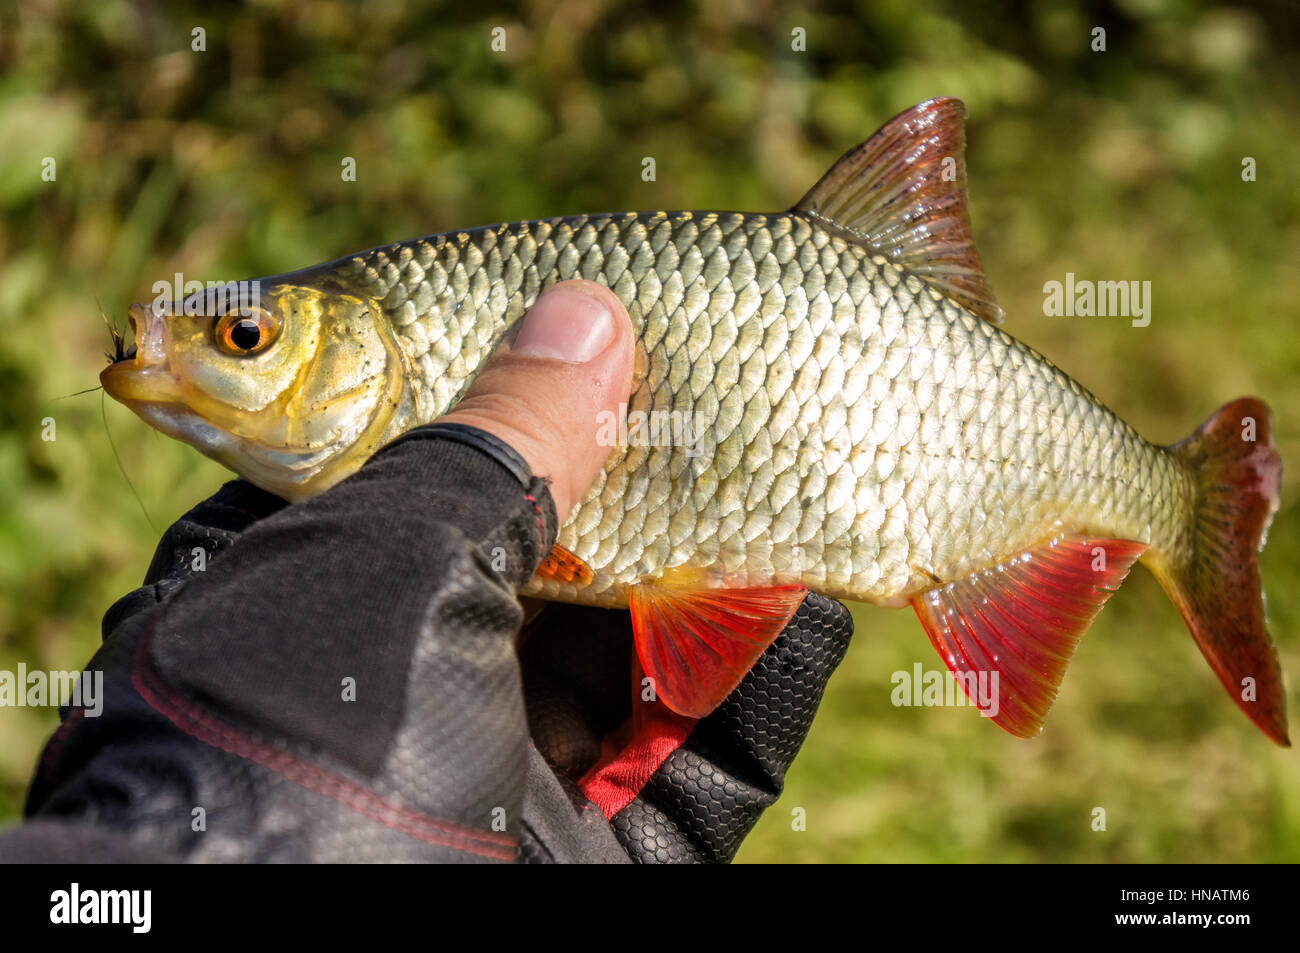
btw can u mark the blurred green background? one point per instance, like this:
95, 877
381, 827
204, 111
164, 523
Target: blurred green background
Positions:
1123, 164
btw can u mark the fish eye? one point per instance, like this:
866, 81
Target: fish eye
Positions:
246, 331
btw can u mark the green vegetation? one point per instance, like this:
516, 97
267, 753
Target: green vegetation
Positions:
1116, 165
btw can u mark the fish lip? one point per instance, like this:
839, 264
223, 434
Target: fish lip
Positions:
132, 383
175, 419
163, 401
159, 399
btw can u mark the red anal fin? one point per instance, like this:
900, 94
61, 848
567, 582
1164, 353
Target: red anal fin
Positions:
697, 643
1022, 620
562, 566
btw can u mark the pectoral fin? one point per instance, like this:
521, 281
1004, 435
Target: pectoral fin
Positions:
560, 565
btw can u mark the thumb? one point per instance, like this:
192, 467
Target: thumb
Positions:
546, 393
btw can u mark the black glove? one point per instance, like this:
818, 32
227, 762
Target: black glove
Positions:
679, 800
340, 682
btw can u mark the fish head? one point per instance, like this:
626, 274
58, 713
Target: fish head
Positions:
291, 385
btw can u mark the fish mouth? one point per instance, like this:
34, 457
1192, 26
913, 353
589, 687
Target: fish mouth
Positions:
139, 376
132, 384
154, 395
138, 371
159, 399
146, 343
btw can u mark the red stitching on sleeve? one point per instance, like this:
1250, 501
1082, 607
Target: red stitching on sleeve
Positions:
212, 732
50, 762
541, 530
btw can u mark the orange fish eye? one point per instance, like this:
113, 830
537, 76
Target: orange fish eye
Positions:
246, 331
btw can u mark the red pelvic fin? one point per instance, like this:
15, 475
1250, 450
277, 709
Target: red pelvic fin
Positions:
1021, 621
696, 643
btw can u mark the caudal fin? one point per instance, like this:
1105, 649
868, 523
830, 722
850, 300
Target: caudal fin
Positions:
1215, 583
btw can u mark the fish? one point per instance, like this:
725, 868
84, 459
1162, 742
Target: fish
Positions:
822, 400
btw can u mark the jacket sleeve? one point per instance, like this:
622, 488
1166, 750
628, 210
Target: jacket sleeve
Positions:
331, 681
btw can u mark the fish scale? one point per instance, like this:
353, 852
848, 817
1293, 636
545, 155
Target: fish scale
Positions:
830, 378
831, 407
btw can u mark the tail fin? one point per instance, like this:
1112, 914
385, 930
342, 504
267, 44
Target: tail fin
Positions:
1237, 473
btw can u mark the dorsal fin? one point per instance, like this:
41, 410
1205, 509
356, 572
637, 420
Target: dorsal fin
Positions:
900, 195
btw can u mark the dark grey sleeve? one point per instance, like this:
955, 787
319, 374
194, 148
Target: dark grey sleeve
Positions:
338, 682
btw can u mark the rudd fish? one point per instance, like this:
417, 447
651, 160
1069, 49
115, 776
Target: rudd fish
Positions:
870, 433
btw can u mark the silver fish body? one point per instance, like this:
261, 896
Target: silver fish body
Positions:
803, 410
